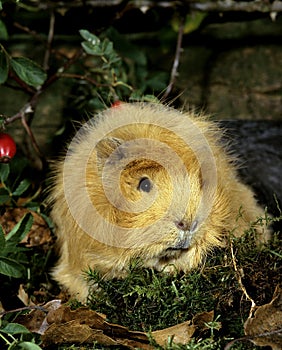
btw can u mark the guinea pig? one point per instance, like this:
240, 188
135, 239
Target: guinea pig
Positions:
145, 181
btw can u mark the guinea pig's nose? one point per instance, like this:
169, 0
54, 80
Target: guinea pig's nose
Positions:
183, 225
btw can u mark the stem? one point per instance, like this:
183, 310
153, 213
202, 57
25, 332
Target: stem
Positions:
49, 42
174, 70
62, 69
82, 77
5, 339
35, 307
240, 278
32, 138
28, 109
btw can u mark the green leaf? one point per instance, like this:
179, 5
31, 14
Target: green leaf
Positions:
2, 238
22, 187
192, 22
25, 345
89, 37
14, 328
21, 229
126, 48
4, 65
92, 44
108, 48
29, 71
4, 196
4, 172
3, 31
91, 49
10, 267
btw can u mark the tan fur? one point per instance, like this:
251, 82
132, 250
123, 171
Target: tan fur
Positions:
193, 180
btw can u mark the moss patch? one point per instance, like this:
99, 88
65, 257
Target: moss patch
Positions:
147, 300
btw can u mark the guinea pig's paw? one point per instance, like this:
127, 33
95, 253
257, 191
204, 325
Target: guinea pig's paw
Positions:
262, 235
169, 268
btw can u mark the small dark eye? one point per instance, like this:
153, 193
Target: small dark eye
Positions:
145, 185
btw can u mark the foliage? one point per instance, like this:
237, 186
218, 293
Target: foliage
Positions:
14, 182
10, 332
12, 257
146, 298
100, 70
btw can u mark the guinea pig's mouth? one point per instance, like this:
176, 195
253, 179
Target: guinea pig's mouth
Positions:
183, 242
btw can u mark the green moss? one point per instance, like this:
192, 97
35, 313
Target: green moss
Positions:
147, 300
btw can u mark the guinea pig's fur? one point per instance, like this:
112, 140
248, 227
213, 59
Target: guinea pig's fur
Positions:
145, 181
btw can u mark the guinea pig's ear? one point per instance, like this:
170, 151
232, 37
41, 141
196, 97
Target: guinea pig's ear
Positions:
105, 148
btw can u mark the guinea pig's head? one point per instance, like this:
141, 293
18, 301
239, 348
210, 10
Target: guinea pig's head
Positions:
143, 179
149, 194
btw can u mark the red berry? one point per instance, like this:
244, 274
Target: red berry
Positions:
116, 104
7, 148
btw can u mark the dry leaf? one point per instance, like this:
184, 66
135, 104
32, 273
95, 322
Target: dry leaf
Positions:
75, 332
35, 321
86, 326
200, 320
267, 319
181, 333
23, 296
63, 325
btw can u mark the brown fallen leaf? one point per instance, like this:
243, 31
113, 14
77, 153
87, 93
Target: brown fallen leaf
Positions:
200, 320
75, 332
23, 296
86, 326
265, 326
35, 321
181, 333
63, 325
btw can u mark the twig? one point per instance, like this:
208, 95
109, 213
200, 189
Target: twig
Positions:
82, 77
23, 309
240, 278
252, 337
29, 90
28, 109
62, 69
32, 138
28, 31
49, 41
174, 70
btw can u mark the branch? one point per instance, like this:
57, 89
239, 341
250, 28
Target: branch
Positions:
49, 42
174, 71
232, 5
82, 77
28, 109
23, 86
28, 308
62, 69
264, 6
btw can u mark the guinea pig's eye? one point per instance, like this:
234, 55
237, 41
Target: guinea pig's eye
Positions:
145, 185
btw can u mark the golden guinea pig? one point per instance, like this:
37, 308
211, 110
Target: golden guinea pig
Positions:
146, 181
